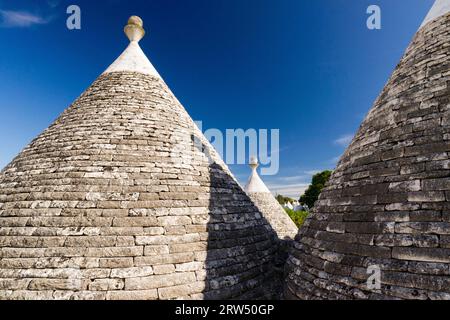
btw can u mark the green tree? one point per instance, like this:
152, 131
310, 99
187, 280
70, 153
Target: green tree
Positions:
318, 183
283, 200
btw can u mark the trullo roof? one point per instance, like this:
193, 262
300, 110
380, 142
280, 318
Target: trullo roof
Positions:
380, 229
122, 197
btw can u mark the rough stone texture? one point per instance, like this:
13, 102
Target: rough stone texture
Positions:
117, 200
274, 213
388, 202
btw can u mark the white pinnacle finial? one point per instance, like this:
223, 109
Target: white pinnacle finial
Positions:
134, 29
133, 59
255, 184
440, 8
254, 162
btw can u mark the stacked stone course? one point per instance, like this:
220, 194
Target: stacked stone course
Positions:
109, 203
117, 199
274, 213
388, 202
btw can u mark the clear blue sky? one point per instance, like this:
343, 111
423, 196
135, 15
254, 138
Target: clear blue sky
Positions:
310, 68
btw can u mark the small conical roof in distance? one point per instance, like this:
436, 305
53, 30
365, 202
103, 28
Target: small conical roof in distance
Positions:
268, 205
254, 183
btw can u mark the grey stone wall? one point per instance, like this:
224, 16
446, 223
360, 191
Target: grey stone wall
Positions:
388, 202
108, 203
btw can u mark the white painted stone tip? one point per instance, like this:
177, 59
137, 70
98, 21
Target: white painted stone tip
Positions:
134, 29
133, 59
440, 7
254, 162
255, 184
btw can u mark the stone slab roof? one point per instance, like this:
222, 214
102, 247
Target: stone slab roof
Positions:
122, 197
387, 205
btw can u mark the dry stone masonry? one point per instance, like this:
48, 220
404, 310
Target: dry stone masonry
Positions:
122, 197
388, 202
117, 199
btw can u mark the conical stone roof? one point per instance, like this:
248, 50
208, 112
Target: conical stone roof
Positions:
387, 205
122, 197
268, 205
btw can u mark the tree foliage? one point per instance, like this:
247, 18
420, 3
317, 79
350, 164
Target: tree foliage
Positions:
318, 183
298, 217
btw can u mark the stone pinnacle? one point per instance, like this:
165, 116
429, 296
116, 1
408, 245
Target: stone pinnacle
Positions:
134, 29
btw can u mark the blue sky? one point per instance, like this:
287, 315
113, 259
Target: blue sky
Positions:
309, 68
